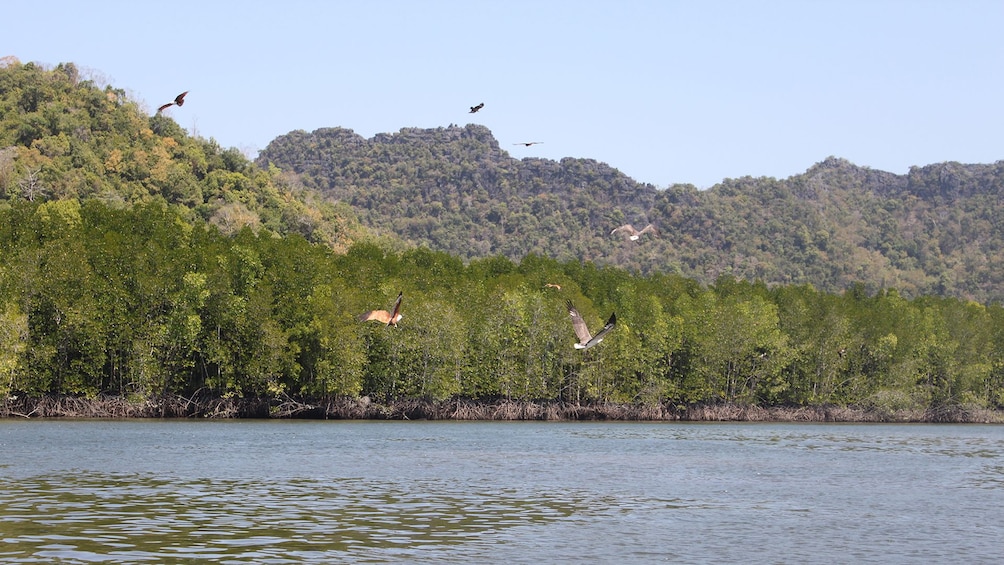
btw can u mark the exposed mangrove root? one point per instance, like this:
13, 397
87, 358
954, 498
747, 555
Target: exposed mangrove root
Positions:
204, 405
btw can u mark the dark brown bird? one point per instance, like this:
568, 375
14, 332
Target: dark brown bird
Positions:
478, 107
179, 100
390, 318
528, 143
582, 332
634, 234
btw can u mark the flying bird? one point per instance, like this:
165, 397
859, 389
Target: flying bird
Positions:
390, 318
634, 234
528, 143
179, 100
478, 107
552, 285
582, 332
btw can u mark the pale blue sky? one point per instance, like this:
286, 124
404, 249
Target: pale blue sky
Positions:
666, 91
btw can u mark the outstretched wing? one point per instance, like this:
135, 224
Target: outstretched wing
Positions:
625, 228
392, 319
478, 107
578, 324
378, 315
179, 100
649, 228
602, 333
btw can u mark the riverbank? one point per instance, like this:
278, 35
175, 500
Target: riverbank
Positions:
466, 409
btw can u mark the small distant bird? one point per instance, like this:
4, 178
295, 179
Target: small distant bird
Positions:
179, 100
528, 143
478, 107
390, 318
552, 285
582, 332
634, 234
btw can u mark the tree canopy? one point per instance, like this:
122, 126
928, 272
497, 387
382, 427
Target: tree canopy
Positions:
139, 261
140, 302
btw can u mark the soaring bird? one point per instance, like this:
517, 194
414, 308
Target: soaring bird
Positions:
634, 234
552, 285
478, 107
582, 332
179, 100
528, 143
383, 316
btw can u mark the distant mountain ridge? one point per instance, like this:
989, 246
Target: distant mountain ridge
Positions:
935, 230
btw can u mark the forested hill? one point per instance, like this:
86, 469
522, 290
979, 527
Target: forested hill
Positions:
65, 137
935, 230
140, 262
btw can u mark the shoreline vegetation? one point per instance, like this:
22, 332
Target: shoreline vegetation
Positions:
149, 273
344, 408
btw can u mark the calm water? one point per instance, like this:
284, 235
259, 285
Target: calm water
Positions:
350, 492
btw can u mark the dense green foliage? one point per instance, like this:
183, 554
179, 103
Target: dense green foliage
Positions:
62, 137
137, 260
140, 302
933, 231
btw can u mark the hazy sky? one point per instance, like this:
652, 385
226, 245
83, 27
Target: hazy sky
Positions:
666, 91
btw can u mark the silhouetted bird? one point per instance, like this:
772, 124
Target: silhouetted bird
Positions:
179, 100
383, 316
478, 107
528, 143
582, 332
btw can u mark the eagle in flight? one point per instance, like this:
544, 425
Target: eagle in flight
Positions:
582, 332
478, 107
179, 100
634, 234
390, 318
528, 143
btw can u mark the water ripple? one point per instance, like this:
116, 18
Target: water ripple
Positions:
323, 492
83, 517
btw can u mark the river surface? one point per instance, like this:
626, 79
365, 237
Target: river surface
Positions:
148, 491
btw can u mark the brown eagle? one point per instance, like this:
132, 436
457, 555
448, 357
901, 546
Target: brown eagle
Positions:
179, 100
390, 318
476, 108
528, 143
582, 332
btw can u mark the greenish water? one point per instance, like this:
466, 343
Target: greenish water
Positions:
351, 492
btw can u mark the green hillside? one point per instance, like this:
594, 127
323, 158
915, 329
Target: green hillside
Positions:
63, 137
932, 231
